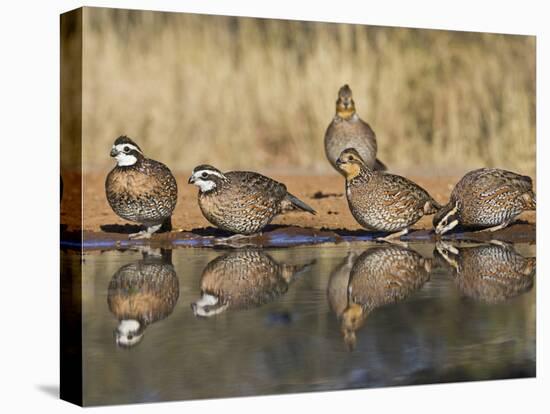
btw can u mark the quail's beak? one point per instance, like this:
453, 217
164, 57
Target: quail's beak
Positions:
114, 152
339, 162
191, 180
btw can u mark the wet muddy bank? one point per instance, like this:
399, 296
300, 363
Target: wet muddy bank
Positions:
282, 236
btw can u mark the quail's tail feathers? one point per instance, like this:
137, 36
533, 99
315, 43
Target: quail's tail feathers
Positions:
296, 203
379, 165
291, 272
432, 207
530, 200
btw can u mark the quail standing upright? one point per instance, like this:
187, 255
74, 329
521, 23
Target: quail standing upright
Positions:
381, 201
347, 130
242, 202
489, 198
140, 189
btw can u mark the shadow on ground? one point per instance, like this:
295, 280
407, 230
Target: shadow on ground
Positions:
49, 389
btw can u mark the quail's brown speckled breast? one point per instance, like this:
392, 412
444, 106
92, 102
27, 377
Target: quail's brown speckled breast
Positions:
490, 196
144, 193
491, 273
146, 291
350, 133
387, 202
245, 203
247, 278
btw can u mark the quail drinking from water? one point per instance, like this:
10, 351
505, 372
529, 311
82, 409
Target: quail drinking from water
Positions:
489, 198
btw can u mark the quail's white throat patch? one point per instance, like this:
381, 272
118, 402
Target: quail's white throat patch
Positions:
123, 159
205, 185
127, 326
126, 333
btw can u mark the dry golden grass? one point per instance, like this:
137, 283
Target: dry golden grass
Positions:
259, 94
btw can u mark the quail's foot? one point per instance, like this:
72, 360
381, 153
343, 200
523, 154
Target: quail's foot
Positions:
393, 236
145, 234
237, 240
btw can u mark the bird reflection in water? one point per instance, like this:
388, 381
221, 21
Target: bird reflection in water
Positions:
142, 293
378, 277
490, 273
243, 279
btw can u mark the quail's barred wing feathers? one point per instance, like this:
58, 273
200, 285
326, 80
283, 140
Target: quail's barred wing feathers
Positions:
489, 182
258, 186
403, 194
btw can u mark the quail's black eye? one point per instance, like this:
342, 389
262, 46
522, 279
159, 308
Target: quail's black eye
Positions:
350, 158
130, 337
126, 149
204, 175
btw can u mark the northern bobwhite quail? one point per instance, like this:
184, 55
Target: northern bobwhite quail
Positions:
140, 189
347, 130
488, 197
242, 202
243, 279
379, 276
382, 201
142, 293
490, 273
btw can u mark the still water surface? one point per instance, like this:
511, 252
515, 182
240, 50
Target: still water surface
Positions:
202, 323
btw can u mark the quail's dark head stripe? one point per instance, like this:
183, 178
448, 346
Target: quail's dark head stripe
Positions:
123, 139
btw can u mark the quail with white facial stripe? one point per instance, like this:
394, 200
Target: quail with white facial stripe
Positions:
140, 189
488, 198
242, 202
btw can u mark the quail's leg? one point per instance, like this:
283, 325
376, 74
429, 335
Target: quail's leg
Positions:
501, 244
145, 234
496, 228
236, 239
393, 236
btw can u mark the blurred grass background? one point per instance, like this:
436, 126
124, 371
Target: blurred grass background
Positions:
259, 94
